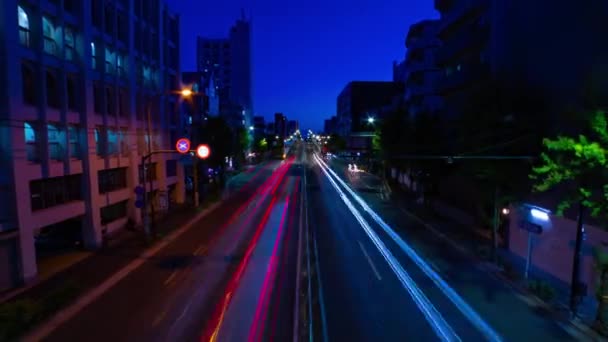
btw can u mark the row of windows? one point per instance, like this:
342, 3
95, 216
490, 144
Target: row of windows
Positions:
113, 212
50, 192
112, 179
61, 42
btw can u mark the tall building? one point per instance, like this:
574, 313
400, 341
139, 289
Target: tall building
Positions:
360, 100
280, 125
80, 86
292, 126
421, 72
509, 58
228, 62
331, 125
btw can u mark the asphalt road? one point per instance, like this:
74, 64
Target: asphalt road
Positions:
385, 277
175, 295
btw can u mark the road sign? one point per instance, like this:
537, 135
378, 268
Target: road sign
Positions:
202, 151
183, 145
139, 200
531, 227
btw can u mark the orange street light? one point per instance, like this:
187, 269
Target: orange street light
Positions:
186, 92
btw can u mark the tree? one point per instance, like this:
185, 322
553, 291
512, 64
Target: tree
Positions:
578, 167
336, 143
217, 134
262, 144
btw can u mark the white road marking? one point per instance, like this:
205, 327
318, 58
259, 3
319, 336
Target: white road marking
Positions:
371, 263
171, 277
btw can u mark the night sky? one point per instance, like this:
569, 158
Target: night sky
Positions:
305, 52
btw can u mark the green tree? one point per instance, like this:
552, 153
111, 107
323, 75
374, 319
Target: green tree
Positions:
578, 166
262, 144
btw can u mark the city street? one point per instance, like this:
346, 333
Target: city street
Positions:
384, 276
220, 278
380, 275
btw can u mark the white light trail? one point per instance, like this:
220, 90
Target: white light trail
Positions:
443, 330
447, 290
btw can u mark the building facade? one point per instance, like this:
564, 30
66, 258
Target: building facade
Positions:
292, 127
280, 125
227, 61
330, 125
83, 84
422, 74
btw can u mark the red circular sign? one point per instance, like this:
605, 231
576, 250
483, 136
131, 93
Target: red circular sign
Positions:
183, 145
203, 151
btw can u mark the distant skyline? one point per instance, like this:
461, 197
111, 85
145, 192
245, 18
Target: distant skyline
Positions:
305, 53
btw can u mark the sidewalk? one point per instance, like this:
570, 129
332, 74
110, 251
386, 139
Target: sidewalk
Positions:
476, 244
23, 308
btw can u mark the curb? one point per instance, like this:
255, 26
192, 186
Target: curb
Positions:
65, 314
577, 329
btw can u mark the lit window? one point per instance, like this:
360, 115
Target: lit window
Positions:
24, 21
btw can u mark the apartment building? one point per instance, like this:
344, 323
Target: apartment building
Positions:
83, 82
421, 73
508, 57
227, 61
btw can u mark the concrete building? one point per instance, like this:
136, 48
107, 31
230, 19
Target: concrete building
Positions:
511, 55
330, 125
259, 127
292, 126
280, 125
78, 81
357, 103
421, 72
228, 62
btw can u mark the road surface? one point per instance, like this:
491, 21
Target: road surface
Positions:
221, 276
385, 277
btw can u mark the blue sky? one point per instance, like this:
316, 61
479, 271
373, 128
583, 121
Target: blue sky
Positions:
305, 52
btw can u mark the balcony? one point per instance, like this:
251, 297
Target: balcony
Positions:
461, 43
414, 92
468, 74
50, 46
457, 13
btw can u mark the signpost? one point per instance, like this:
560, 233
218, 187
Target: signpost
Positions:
183, 146
532, 229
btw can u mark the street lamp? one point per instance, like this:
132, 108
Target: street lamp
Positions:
371, 120
251, 128
146, 163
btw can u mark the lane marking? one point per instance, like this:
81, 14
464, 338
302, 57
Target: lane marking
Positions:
439, 325
171, 277
371, 263
159, 318
200, 250
473, 317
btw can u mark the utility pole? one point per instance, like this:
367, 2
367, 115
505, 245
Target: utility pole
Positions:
149, 167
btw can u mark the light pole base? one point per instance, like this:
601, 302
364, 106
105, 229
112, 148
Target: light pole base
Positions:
196, 200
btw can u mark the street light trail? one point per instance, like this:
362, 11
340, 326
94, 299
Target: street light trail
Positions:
443, 330
271, 271
447, 290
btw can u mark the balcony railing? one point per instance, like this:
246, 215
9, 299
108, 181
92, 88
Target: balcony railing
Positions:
455, 11
462, 41
24, 36
50, 46
469, 73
